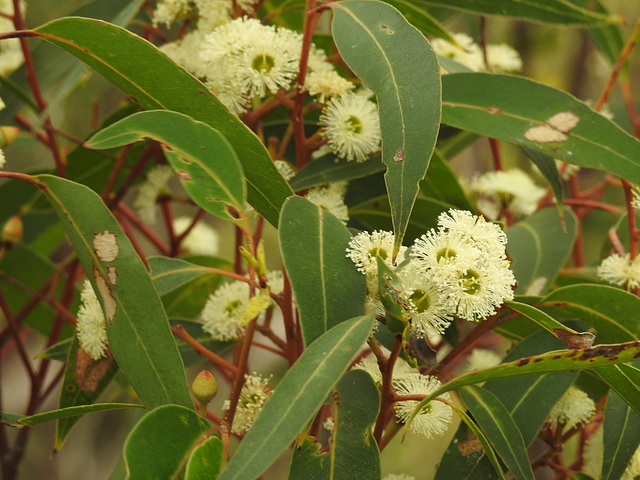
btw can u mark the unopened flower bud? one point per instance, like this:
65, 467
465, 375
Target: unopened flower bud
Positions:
8, 134
204, 388
12, 231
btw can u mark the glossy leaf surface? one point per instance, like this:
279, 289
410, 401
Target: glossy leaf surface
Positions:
397, 63
621, 436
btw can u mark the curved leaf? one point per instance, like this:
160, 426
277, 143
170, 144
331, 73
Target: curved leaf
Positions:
22, 421
137, 325
327, 169
140, 70
538, 247
558, 361
543, 11
625, 380
205, 462
397, 63
160, 443
562, 126
611, 311
206, 164
326, 284
297, 398
497, 424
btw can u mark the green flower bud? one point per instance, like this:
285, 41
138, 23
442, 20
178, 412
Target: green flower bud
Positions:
204, 388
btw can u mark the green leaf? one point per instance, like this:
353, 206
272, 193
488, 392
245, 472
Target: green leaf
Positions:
441, 184
297, 398
84, 381
161, 442
608, 39
137, 326
353, 451
465, 458
206, 164
558, 361
205, 462
169, 274
326, 284
539, 11
621, 436
611, 311
326, 170
625, 380
562, 126
497, 424
141, 71
568, 336
538, 247
421, 19
549, 170
15, 420
530, 399
397, 63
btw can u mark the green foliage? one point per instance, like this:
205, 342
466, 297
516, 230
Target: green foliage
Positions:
258, 287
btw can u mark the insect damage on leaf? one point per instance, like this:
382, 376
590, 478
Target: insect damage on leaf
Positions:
575, 341
89, 372
108, 302
554, 129
105, 244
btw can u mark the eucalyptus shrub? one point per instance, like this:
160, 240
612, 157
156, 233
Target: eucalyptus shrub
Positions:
276, 194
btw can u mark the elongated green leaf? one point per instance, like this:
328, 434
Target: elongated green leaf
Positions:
327, 286
611, 311
558, 361
22, 421
608, 39
297, 398
561, 126
621, 436
205, 162
549, 170
568, 336
543, 11
169, 274
497, 424
395, 61
84, 381
530, 399
156, 82
326, 170
354, 453
137, 326
538, 247
205, 462
625, 380
161, 442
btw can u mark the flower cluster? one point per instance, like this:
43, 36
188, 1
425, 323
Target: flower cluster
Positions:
91, 329
460, 270
153, 191
574, 407
253, 396
512, 189
433, 419
225, 308
500, 58
620, 270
